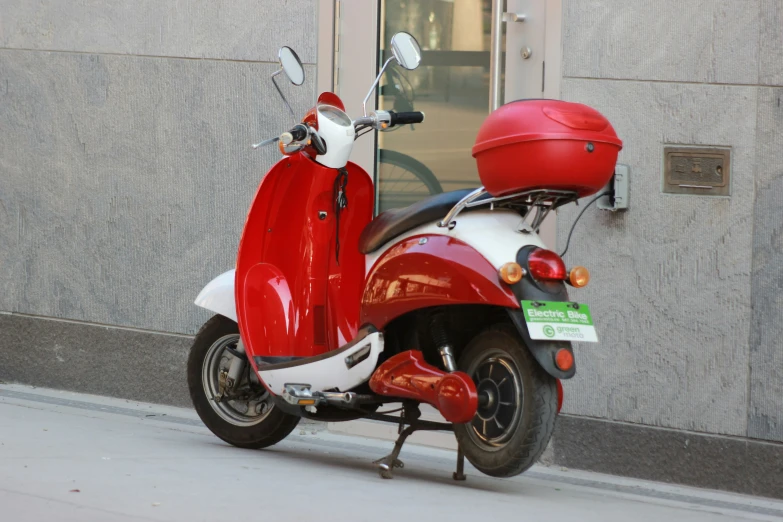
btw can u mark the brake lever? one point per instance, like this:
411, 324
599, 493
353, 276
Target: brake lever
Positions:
266, 142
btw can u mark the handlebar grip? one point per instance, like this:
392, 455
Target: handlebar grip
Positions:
299, 132
405, 118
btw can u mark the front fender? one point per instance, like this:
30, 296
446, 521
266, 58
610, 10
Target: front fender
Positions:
218, 296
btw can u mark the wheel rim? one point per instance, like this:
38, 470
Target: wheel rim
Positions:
255, 404
499, 387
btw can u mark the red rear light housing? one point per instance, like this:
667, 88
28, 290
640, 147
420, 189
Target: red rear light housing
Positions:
546, 265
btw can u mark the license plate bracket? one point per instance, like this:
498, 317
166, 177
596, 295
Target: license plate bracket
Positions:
559, 321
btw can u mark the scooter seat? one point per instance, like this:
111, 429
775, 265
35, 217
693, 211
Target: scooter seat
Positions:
397, 221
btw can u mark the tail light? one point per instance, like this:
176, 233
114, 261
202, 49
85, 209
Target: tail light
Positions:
545, 265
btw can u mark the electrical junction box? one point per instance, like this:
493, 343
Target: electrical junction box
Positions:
618, 189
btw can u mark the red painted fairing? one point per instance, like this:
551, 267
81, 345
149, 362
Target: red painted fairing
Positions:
330, 98
406, 375
442, 271
559, 395
286, 261
346, 278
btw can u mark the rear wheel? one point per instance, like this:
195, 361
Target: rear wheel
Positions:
243, 416
517, 408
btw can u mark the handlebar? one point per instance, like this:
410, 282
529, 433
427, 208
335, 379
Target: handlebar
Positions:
382, 120
379, 120
405, 118
298, 133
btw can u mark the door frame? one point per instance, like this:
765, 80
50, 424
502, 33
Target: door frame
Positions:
337, 48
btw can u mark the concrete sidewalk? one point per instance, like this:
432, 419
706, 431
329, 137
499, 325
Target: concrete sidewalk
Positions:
72, 457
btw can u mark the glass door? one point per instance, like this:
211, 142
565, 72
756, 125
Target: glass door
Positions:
452, 88
465, 71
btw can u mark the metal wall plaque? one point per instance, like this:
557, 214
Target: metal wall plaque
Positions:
697, 171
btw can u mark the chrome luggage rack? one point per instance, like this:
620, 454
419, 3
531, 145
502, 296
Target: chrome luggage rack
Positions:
542, 201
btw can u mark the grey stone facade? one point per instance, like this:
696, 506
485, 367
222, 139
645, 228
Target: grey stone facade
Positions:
686, 290
126, 173
125, 161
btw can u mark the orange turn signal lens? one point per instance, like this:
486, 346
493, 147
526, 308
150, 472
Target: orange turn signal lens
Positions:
564, 359
578, 277
511, 273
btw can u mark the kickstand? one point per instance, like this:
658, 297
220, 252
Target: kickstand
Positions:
410, 415
460, 473
390, 461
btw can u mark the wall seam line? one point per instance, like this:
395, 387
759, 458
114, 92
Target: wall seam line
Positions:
156, 56
751, 319
98, 325
676, 82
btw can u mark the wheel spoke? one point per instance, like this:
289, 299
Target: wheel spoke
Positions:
498, 423
491, 367
506, 403
502, 381
484, 429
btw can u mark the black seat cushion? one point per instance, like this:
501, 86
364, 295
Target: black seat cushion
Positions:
394, 222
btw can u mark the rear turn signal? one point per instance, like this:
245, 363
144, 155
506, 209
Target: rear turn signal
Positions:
545, 265
564, 359
578, 277
511, 273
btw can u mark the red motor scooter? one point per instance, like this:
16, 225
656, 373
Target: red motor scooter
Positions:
453, 301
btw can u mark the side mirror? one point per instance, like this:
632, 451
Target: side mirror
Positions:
407, 53
292, 65
406, 50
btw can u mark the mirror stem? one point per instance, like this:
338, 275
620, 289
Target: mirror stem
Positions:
282, 95
375, 83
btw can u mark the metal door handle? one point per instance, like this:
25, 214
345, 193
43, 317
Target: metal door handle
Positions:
513, 17
494, 55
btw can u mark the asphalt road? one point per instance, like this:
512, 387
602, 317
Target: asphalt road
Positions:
70, 457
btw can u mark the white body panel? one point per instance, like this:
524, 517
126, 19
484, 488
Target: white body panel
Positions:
330, 373
218, 296
493, 233
339, 141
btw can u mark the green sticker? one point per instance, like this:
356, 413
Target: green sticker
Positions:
556, 321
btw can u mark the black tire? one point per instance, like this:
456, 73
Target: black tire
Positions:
267, 431
510, 451
404, 181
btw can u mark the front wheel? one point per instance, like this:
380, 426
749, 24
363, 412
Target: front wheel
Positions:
517, 404
243, 416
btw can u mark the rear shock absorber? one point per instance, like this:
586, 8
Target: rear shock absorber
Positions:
441, 339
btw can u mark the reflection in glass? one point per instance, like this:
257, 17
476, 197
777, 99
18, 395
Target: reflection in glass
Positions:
451, 86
